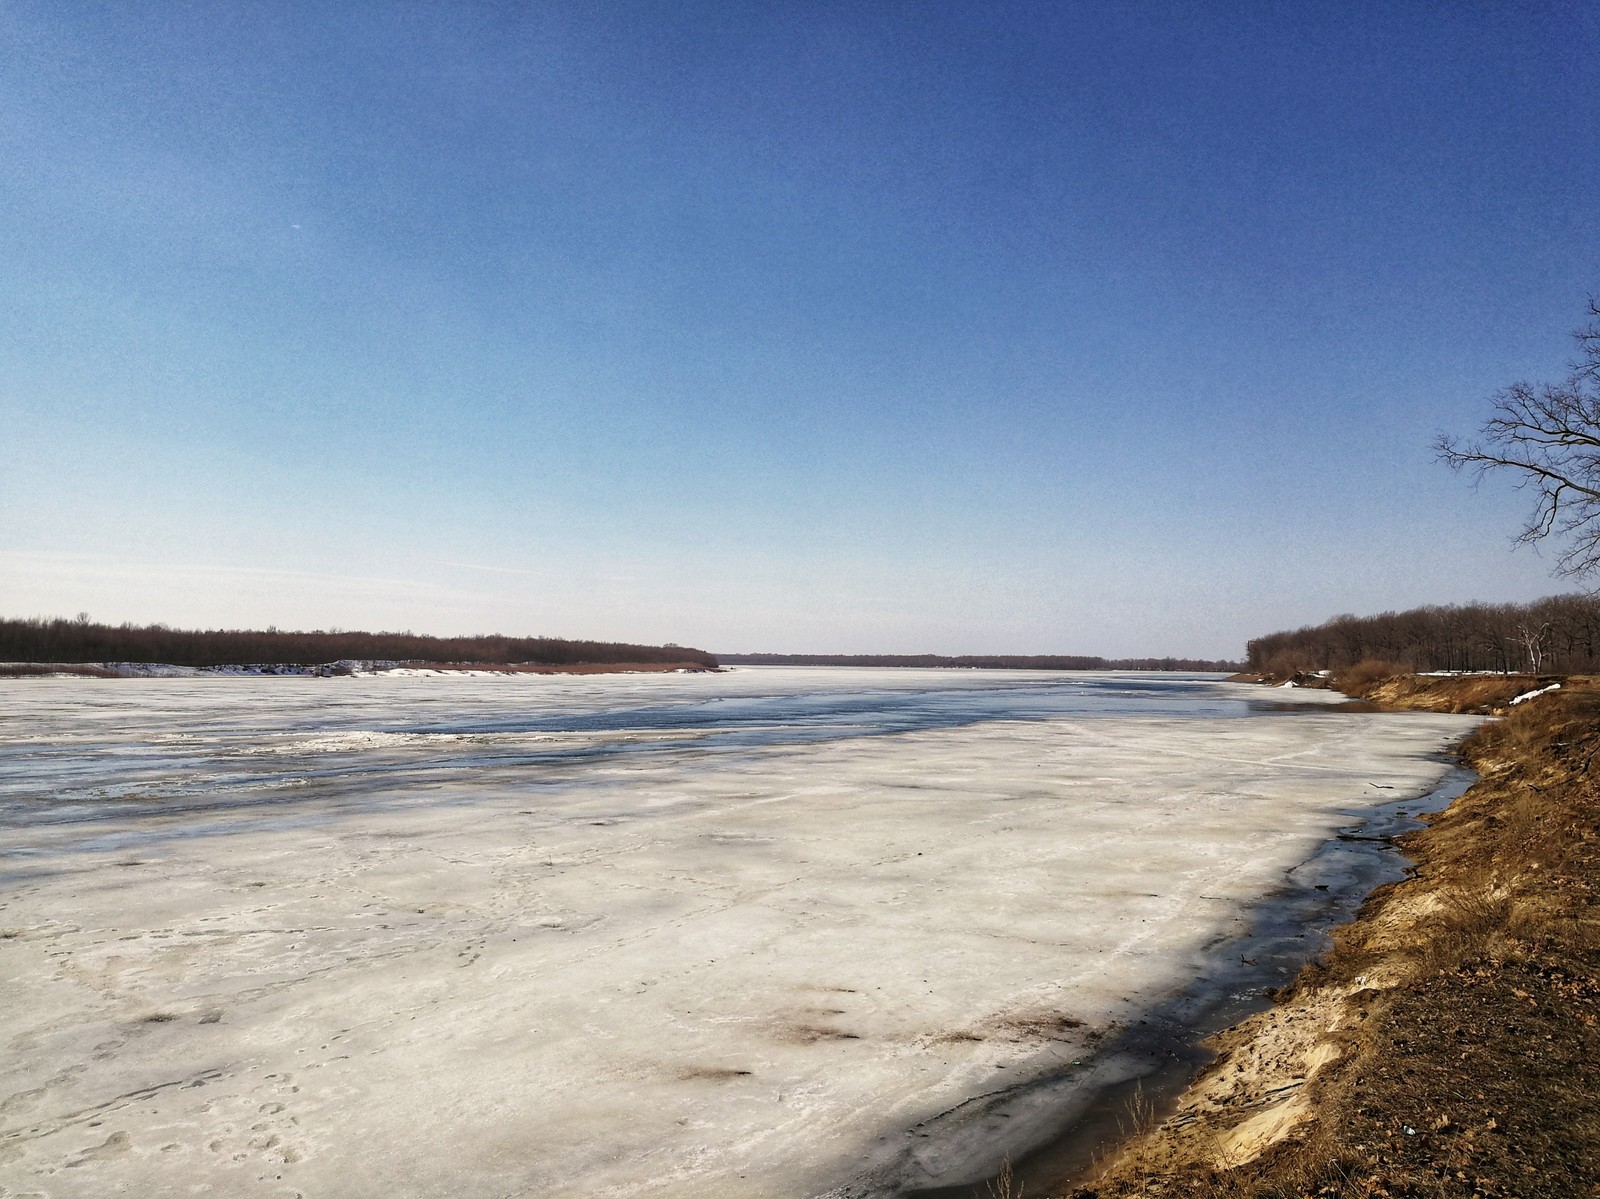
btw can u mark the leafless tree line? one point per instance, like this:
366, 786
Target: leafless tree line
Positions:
1557, 635
80, 640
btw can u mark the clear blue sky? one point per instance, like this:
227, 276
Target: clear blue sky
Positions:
900, 327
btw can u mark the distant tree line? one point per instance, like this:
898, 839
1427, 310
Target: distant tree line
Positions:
1558, 635
80, 640
970, 661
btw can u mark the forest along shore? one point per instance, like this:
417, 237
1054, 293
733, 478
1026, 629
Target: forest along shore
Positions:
99, 650
1449, 1043
163, 670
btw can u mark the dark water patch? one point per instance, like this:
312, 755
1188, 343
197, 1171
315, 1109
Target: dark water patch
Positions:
69, 782
803, 715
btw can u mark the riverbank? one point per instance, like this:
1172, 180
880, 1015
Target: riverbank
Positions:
1449, 1043
343, 669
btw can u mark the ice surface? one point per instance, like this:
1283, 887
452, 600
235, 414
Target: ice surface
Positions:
764, 933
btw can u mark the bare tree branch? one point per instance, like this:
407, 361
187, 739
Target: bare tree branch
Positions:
1549, 435
1588, 364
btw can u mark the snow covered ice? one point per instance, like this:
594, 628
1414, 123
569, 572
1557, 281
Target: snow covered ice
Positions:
763, 933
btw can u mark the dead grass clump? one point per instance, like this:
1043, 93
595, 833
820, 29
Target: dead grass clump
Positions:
1466, 927
1452, 693
1526, 730
1005, 1184
1363, 678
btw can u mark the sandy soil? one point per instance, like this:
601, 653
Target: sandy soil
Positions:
1450, 1045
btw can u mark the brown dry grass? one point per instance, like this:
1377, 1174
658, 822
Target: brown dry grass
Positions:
1364, 677
1454, 693
1449, 1045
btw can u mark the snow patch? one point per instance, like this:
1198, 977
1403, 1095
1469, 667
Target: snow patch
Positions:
1527, 695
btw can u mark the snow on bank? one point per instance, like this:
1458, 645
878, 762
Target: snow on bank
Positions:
255, 670
346, 668
1527, 695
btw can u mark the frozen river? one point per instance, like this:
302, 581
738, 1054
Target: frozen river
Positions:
774, 933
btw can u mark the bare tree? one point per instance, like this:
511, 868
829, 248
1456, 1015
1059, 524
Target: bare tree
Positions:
1549, 434
1532, 638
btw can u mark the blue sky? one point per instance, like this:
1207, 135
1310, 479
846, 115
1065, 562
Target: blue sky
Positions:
1002, 327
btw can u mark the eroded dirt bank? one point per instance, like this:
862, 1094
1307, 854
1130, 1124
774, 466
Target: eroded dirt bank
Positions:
1449, 1044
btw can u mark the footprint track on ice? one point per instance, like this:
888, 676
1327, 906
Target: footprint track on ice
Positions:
112, 1147
263, 1128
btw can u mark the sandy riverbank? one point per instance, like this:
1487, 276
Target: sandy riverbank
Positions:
1448, 1045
